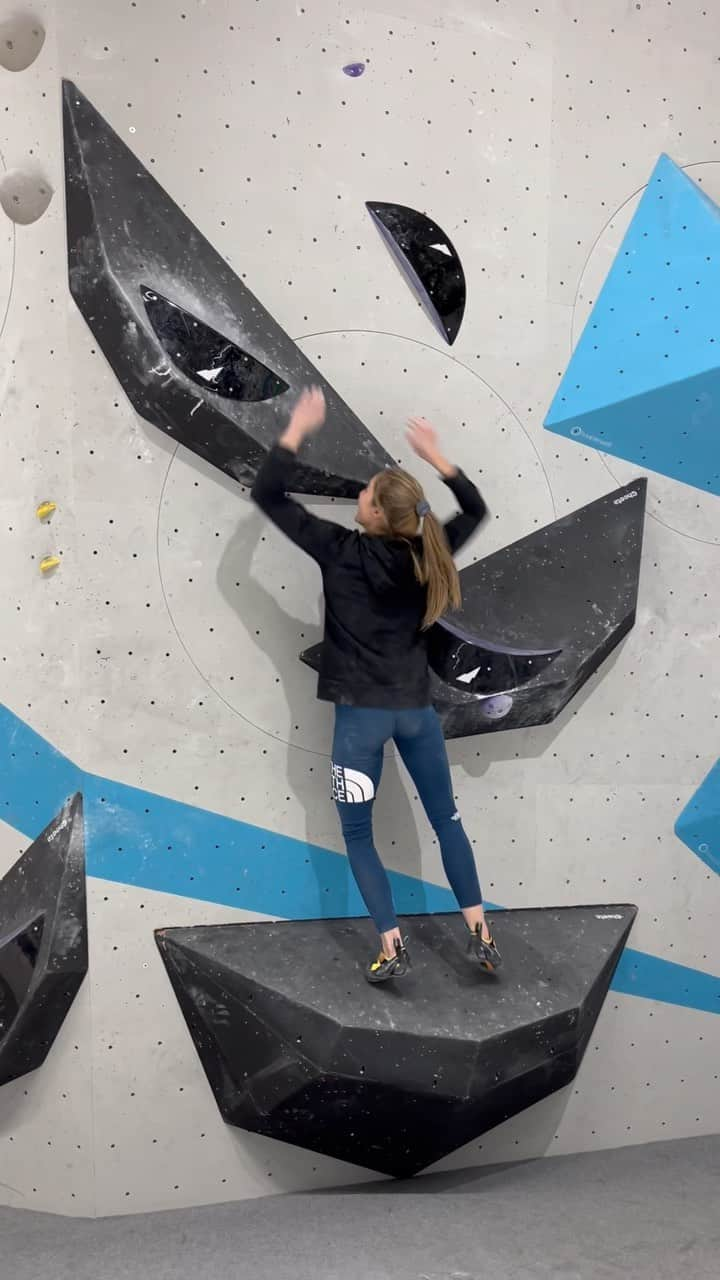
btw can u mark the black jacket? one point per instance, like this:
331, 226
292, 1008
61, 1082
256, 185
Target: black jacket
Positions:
374, 651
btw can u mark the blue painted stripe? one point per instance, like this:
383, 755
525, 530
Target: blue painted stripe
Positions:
148, 840
640, 974
153, 842
35, 779
137, 838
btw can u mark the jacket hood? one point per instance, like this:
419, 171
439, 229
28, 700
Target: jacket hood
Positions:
387, 563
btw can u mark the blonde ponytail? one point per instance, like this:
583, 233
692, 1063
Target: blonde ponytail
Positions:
437, 569
408, 515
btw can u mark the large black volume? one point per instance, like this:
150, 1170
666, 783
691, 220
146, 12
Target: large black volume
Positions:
568, 592
298, 1047
195, 352
43, 942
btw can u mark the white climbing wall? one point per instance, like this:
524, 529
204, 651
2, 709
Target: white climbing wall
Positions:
163, 654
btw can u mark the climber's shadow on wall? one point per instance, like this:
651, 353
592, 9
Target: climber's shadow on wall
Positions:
280, 637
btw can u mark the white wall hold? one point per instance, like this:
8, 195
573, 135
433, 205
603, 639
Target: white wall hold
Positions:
25, 195
22, 37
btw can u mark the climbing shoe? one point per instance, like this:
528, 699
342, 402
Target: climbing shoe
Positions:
382, 968
484, 952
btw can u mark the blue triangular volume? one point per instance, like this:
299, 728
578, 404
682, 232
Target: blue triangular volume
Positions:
644, 380
699, 823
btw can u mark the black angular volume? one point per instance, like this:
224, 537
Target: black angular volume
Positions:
298, 1047
568, 591
43, 942
205, 363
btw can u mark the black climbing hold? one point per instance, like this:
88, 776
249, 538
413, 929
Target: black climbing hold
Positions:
429, 261
206, 357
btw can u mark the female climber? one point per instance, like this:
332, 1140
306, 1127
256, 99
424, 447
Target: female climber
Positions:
383, 588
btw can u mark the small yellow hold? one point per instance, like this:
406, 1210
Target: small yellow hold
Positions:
45, 510
49, 563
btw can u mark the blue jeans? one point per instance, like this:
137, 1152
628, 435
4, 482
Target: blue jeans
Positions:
357, 761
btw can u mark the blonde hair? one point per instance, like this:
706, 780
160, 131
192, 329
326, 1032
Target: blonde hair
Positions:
399, 495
